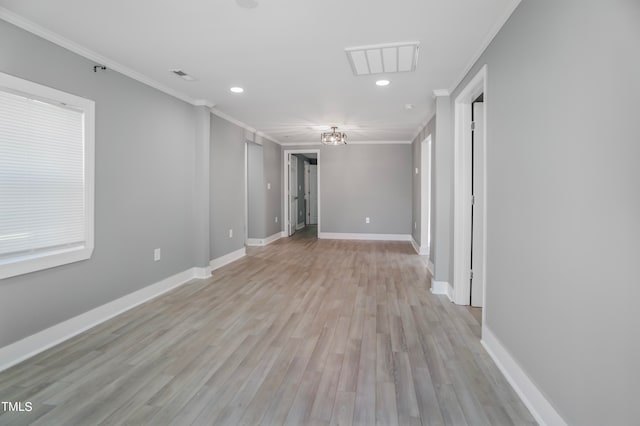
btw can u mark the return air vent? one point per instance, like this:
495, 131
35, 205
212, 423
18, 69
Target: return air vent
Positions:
183, 75
383, 58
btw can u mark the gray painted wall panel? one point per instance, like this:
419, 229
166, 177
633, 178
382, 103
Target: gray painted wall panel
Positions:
273, 198
227, 187
256, 190
144, 189
563, 202
366, 180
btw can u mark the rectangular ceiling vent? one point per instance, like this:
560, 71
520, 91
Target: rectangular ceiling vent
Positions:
183, 75
383, 58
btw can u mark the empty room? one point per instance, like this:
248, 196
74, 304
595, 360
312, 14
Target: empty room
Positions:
284, 212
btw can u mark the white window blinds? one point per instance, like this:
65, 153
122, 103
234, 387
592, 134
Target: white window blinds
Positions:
44, 208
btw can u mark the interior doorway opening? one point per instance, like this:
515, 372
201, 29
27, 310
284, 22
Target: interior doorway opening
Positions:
469, 275
301, 192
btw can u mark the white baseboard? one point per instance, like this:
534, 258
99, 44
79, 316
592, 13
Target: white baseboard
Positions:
202, 273
442, 287
219, 262
421, 250
540, 407
376, 237
259, 242
430, 267
47, 338
299, 226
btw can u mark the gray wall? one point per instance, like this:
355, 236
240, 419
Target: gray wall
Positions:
227, 187
365, 180
256, 187
144, 180
563, 202
265, 169
273, 197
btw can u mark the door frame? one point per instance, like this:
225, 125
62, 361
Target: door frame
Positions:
285, 185
462, 192
425, 195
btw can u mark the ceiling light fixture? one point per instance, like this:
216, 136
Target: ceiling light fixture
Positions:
382, 83
236, 89
333, 137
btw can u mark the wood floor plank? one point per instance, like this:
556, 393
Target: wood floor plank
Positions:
304, 332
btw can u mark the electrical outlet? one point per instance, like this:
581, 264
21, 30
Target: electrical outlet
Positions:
156, 254
276, 219
268, 185
367, 220
416, 170
415, 225
230, 233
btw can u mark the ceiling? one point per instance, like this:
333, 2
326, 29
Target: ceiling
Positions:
288, 55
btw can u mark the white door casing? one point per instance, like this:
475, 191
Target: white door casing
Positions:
313, 194
477, 266
293, 193
285, 187
462, 192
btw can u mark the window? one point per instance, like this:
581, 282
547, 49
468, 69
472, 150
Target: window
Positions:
46, 177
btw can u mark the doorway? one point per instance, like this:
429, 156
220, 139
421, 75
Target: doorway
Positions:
469, 236
301, 190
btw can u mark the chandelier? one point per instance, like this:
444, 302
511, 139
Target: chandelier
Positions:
333, 137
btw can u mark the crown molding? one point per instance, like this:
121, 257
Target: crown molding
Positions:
488, 39
74, 47
242, 124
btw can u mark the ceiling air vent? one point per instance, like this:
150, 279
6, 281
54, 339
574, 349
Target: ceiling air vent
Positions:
183, 75
383, 58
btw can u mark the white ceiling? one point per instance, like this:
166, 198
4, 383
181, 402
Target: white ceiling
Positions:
287, 54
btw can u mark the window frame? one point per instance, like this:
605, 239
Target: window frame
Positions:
26, 263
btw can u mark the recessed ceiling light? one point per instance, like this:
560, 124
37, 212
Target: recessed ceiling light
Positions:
236, 89
382, 82
408, 106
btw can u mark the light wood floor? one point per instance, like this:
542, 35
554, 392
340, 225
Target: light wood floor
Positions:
303, 331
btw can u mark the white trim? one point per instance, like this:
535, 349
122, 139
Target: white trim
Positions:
425, 190
285, 185
74, 47
379, 142
485, 43
244, 125
430, 267
358, 236
421, 250
221, 261
442, 287
87, 53
462, 189
45, 339
422, 126
202, 273
15, 265
539, 406
403, 142
260, 242
301, 143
